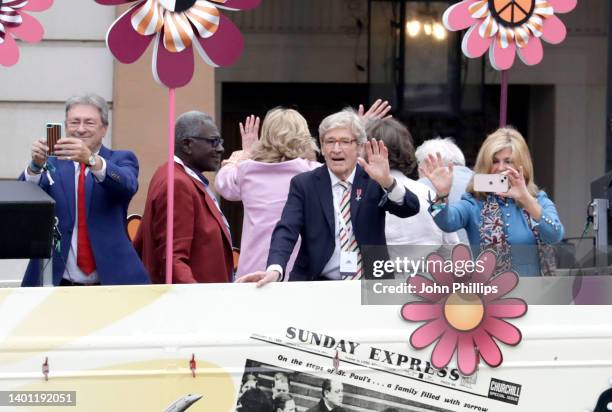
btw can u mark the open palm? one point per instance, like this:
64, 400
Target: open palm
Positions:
438, 172
249, 132
377, 163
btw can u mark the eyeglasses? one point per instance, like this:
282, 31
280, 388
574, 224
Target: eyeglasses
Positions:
215, 141
87, 124
343, 143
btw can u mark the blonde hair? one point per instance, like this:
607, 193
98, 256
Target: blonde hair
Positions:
504, 138
284, 136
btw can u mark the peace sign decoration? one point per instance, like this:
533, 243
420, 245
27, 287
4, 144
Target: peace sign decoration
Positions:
508, 27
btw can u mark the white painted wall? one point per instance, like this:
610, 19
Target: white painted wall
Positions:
71, 59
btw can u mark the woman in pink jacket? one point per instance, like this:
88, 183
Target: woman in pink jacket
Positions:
259, 176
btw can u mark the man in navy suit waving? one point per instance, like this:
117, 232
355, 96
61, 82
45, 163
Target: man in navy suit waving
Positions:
92, 187
337, 209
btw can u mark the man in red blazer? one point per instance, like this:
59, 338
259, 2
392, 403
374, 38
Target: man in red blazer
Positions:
202, 251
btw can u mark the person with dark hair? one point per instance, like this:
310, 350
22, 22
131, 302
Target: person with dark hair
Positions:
399, 142
202, 246
419, 229
284, 403
332, 393
254, 400
249, 381
250, 376
92, 186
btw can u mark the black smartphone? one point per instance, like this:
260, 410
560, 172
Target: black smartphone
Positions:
54, 133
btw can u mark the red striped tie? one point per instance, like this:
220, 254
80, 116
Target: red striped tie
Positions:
347, 240
85, 257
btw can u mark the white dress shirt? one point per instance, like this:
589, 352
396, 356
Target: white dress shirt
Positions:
73, 272
417, 236
331, 270
419, 229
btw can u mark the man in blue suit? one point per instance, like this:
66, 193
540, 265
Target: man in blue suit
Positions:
92, 187
337, 209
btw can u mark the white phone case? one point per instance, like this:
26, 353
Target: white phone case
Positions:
495, 183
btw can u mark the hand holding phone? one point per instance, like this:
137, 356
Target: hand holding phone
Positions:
39, 152
54, 133
491, 183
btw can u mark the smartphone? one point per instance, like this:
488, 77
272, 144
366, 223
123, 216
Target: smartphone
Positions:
54, 133
495, 183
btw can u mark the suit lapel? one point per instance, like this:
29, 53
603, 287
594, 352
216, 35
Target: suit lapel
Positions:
358, 192
217, 214
65, 175
89, 179
324, 191
209, 202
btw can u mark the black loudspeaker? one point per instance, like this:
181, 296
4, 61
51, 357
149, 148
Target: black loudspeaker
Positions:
27, 215
601, 188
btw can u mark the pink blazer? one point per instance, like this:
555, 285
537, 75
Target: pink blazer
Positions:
262, 188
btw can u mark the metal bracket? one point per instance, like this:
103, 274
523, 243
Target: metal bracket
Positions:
192, 365
45, 368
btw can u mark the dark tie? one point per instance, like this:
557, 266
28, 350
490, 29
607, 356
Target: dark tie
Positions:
85, 258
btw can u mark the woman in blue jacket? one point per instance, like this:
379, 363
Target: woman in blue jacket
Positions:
519, 225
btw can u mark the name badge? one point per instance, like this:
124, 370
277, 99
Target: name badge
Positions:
348, 262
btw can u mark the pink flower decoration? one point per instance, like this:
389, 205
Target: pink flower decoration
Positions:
178, 27
505, 27
15, 23
465, 321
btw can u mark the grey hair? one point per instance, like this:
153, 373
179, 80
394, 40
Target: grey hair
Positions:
348, 119
447, 148
190, 124
89, 99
